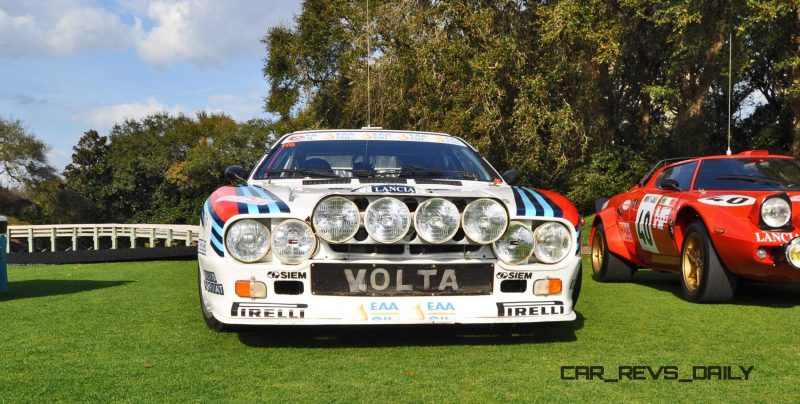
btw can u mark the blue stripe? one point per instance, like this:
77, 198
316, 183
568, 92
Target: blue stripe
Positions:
216, 245
252, 208
547, 210
529, 209
279, 204
216, 222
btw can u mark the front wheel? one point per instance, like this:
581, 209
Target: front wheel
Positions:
704, 278
606, 266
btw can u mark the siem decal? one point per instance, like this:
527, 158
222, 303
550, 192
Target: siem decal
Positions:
268, 310
528, 309
625, 232
436, 311
771, 237
395, 189
728, 200
286, 275
645, 223
210, 283
515, 275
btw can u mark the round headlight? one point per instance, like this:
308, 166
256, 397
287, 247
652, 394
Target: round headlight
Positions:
551, 242
776, 212
516, 244
484, 221
336, 219
387, 220
293, 241
793, 253
436, 220
247, 240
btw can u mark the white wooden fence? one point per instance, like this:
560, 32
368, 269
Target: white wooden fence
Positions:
186, 234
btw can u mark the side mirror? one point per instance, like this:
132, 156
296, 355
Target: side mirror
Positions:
236, 174
669, 184
511, 176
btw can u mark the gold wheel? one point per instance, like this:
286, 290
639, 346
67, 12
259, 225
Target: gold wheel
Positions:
597, 252
693, 264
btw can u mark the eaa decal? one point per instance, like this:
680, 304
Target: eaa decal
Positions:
728, 200
436, 311
625, 232
644, 223
379, 311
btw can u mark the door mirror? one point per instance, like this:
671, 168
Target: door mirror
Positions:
511, 176
669, 184
236, 174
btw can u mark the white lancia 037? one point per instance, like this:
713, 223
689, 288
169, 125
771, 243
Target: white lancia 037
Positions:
379, 226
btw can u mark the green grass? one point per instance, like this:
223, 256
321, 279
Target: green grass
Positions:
132, 332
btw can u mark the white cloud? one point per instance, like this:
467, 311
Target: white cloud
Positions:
105, 117
208, 33
61, 28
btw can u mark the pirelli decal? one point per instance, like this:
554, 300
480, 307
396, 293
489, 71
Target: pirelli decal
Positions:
532, 203
529, 309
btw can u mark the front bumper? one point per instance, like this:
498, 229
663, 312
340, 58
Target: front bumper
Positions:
219, 275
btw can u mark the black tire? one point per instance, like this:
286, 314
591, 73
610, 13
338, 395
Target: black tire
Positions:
576, 289
714, 284
211, 322
608, 267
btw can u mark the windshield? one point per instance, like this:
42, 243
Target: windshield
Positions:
749, 174
400, 156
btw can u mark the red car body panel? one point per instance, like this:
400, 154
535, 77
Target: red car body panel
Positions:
646, 225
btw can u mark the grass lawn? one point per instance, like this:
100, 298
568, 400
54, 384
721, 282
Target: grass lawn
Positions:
133, 332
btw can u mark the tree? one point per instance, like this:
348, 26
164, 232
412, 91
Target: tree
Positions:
23, 158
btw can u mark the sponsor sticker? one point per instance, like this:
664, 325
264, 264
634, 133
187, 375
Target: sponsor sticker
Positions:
514, 275
626, 204
529, 309
268, 310
286, 275
625, 231
773, 237
379, 311
210, 283
728, 200
244, 199
394, 189
201, 246
379, 279
661, 216
668, 201
436, 310
391, 136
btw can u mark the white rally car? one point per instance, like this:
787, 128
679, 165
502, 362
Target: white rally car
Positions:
384, 227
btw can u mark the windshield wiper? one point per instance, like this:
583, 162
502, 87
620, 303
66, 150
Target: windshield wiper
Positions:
417, 171
751, 178
304, 171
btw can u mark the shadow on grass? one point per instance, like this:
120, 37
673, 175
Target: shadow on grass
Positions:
409, 335
747, 293
52, 287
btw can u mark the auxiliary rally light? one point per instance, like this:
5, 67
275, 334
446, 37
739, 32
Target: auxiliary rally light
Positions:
251, 288
546, 287
793, 253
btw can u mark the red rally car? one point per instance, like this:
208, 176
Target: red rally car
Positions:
713, 219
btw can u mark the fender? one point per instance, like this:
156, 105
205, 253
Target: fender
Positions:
609, 218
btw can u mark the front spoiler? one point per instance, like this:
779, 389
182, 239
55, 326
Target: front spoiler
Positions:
310, 309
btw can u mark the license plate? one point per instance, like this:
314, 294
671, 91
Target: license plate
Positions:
401, 280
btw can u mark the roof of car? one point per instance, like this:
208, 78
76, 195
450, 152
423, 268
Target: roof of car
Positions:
369, 130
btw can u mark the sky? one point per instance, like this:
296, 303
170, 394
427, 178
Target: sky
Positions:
67, 66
